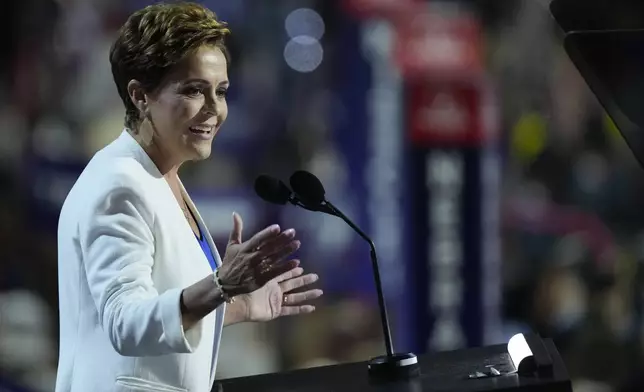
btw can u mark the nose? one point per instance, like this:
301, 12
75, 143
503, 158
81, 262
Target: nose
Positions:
210, 108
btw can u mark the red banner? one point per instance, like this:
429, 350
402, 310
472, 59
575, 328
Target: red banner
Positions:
450, 112
379, 8
429, 42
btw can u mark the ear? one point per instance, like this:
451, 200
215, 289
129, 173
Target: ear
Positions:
137, 95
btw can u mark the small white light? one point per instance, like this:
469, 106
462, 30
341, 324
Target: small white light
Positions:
303, 53
304, 21
518, 349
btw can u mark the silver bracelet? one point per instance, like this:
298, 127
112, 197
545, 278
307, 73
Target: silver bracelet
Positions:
224, 294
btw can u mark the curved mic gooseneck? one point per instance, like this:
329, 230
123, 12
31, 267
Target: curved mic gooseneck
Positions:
324, 208
384, 318
392, 366
308, 193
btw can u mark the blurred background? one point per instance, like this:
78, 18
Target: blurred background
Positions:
457, 133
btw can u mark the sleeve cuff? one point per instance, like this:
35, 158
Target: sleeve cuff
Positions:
173, 332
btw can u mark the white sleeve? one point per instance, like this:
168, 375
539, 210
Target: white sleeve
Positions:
117, 244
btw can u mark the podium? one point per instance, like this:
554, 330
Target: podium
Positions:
453, 371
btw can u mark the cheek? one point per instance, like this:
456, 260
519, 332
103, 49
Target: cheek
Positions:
173, 109
223, 112
185, 109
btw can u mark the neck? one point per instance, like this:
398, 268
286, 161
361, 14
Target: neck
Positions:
162, 158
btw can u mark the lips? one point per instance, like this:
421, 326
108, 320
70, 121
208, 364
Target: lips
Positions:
203, 131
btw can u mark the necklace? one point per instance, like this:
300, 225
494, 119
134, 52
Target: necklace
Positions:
185, 209
182, 204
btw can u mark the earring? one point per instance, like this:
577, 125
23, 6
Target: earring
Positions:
144, 109
145, 132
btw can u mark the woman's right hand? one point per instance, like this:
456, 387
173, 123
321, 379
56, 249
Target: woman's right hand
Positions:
248, 266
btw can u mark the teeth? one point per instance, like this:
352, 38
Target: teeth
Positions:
200, 129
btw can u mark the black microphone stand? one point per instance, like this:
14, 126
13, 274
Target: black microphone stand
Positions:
392, 366
384, 318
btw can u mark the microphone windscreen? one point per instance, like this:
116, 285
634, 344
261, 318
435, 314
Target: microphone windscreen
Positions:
272, 190
308, 187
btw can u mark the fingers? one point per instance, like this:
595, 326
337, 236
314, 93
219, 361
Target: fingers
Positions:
294, 273
297, 298
276, 250
293, 281
295, 310
269, 233
282, 252
236, 232
273, 271
271, 246
296, 283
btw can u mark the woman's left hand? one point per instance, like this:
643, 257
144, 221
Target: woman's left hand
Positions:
276, 299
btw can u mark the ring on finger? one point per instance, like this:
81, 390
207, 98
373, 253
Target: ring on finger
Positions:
264, 267
285, 299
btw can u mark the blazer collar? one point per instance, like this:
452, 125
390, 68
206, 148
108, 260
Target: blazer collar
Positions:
130, 145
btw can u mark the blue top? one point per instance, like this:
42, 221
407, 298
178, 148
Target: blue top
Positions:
206, 250
203, 242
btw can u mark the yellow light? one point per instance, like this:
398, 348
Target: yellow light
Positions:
529, 136
611, 128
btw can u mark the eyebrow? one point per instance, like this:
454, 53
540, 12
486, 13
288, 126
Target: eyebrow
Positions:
203, 81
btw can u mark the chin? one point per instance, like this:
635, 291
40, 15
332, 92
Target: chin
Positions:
198, 151
200, 154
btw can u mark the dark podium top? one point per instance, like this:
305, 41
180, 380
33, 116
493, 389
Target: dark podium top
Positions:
446, 371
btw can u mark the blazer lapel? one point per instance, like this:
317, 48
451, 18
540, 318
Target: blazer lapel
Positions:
130, 146
202, 225
221, 310
183, 227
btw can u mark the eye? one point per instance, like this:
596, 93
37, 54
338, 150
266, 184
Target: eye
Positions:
222, 92
193, 91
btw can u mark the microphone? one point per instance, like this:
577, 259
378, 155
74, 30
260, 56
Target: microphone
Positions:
275, 191
272, 190
392, 366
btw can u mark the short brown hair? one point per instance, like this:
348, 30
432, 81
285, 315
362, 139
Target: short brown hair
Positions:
155, 39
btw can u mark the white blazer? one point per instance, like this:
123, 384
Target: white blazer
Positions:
125, 252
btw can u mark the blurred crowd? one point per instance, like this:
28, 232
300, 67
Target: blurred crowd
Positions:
572, 224
572, 231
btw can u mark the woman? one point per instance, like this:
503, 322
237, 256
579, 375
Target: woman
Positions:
141, 308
